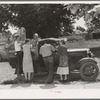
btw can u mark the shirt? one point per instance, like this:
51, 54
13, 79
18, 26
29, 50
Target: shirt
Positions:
46, 50
17, 46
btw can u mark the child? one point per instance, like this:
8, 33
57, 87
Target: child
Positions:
27, 61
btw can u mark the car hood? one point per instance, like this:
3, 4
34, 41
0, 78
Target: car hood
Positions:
78, 49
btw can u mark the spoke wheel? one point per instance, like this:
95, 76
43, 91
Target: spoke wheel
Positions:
89, 71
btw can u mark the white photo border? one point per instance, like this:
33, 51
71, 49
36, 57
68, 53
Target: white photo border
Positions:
47, 94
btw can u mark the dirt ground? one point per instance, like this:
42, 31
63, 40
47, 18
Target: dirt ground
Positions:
7, 74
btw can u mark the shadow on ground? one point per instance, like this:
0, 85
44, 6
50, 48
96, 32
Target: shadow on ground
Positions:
21, 85
40, 79
73, 79
48, 86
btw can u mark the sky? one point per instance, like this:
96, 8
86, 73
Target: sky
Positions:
80, 23
12, 29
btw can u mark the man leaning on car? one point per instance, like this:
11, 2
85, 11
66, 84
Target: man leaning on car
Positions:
46, 52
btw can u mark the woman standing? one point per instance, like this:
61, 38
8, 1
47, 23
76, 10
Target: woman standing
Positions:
35, 54
22, 33
27, 61
63, 69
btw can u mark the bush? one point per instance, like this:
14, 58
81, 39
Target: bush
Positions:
88, 36
75, 38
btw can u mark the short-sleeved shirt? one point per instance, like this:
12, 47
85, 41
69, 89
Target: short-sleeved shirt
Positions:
46, 50
17, 46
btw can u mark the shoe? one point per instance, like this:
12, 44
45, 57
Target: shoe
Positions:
60, 80
49, 82
65, 81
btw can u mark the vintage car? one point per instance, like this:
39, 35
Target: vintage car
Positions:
83, 60
3, 54
79, 59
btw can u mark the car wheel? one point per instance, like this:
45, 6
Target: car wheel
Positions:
89, 71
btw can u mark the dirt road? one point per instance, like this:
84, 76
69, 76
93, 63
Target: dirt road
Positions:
73, 89
7, 73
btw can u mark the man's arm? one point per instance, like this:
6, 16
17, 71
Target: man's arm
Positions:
54, 49
8, 45
40, 50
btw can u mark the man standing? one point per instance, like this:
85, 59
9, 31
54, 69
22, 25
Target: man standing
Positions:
22, 33
46, 51
19, 56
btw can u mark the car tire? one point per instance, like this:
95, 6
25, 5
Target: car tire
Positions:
89, 71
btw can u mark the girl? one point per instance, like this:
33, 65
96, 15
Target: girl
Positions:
63, 69
27, 61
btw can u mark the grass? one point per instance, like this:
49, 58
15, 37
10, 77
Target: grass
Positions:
94, 46
84, 44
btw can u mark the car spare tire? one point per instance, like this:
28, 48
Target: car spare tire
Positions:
89, 71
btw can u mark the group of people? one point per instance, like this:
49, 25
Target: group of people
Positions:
26, 49
46, 51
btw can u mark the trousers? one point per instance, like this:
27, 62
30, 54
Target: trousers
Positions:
49, 65
19, 68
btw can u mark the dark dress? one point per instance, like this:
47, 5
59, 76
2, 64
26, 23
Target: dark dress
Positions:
63, 60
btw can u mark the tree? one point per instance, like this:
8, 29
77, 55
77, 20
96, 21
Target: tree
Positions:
80, 28
44, 19
5, 16
90, 12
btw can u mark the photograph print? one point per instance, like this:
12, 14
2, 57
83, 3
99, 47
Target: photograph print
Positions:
50, 46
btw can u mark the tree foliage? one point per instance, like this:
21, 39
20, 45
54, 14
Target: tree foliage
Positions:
45, 19
90, 13
48, 20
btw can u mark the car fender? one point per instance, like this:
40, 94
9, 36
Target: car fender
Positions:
3, 54
84, 60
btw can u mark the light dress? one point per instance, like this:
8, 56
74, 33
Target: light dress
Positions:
27, 59
63, 68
